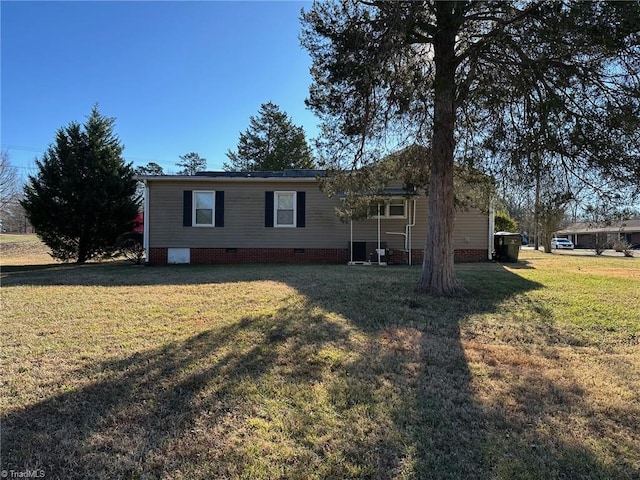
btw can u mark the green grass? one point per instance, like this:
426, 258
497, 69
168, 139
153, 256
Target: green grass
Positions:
262, 372
18, 238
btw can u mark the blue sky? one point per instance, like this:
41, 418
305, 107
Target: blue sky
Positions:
177, 76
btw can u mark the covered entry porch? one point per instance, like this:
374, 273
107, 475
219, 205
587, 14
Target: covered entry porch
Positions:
385, 235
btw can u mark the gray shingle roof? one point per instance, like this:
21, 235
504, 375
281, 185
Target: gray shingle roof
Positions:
277, 174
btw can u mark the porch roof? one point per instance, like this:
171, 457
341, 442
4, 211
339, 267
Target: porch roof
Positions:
386, 192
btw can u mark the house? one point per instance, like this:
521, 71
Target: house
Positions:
583, 234
263, 217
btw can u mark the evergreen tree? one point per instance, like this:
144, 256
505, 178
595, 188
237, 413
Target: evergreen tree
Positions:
191, 164
452, 75
151, 168
82, 197
504, 222
271, 143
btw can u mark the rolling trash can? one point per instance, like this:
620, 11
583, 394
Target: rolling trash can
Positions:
507, 246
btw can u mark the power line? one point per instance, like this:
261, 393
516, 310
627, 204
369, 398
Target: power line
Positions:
23, 148
140, 160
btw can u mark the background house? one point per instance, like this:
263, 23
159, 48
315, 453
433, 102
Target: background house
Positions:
583, 234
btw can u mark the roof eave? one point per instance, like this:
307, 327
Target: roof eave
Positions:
193, 178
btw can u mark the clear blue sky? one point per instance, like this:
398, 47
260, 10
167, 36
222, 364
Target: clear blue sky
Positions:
177, 76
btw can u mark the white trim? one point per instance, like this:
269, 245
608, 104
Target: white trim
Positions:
145, 222
193, 209
404, 208
197, 178
410, 225
386, 206
275, 208
491, 229
351, 240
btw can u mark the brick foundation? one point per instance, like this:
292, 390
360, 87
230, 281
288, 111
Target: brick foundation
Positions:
222, 256
157, 256
470, 256
216, 256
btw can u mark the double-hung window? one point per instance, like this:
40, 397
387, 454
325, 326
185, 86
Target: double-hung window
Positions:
393, 208
397, 208
285, 209
203, 209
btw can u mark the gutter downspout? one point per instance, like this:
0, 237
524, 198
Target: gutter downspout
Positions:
145, 228
351, 240
378, 249
408, 228
491, 229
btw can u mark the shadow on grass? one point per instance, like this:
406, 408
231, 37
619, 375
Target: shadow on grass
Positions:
359, 379
519, 265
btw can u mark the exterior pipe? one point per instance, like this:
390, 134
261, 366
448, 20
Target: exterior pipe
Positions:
408, 229
491, 229
378, 249
351, 239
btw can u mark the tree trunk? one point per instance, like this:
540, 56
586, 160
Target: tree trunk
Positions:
82, 252
536, 210
438, 275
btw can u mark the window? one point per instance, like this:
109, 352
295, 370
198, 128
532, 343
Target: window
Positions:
397, 208
203, 209
285, 209
394, 208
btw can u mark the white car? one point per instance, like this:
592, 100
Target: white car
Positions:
562, 243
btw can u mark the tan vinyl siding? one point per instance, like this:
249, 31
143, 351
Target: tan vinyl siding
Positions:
244, 220
243, 217
470, 231
367, 231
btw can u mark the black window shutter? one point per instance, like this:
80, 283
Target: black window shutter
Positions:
219, 220
268, 209
187, 208
301, 199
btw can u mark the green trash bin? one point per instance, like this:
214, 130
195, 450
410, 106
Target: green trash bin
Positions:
507, 246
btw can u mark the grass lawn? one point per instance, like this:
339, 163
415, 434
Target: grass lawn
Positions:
313, 372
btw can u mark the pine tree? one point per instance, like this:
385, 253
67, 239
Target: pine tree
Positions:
151, 168
191, 163
83, 195
271, 143
466, 78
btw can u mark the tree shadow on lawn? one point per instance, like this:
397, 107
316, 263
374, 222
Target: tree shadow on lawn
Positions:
328, 387
123, 273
